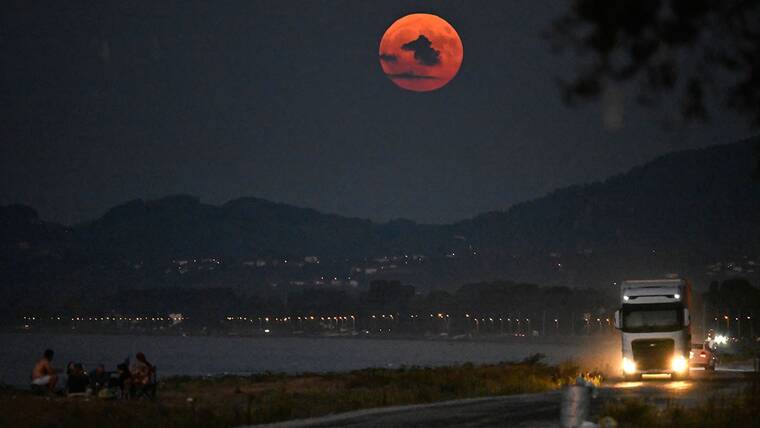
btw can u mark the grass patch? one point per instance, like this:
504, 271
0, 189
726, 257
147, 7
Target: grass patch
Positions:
235, 400
743, 357
734, 410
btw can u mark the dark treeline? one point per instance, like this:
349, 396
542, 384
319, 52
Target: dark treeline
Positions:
732, 306
385, 307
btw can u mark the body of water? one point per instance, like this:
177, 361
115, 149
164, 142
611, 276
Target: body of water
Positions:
176, 355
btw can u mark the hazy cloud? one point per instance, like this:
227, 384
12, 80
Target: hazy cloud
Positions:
423, 52
410, 76
388, 57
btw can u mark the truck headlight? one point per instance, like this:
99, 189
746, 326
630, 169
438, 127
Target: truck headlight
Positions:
679, 364
629, 366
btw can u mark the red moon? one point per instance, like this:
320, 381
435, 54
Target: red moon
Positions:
421, 52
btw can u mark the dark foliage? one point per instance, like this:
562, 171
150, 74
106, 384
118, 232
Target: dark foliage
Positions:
697, 48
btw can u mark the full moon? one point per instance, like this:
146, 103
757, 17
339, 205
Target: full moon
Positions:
421, 52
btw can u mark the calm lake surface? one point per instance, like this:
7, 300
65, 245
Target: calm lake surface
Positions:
175, 355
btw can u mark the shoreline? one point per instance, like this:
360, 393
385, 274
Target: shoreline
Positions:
214, 356
504, 339
276, 397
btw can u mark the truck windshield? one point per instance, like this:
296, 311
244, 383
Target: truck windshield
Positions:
649, 319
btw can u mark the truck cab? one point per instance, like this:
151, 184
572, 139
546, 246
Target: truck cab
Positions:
655, 327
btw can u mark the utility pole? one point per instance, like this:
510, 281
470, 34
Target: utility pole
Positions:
572, 323
543, 323
704, 319
751, 328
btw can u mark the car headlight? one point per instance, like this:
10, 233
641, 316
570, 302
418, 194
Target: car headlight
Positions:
679, 364
629, 366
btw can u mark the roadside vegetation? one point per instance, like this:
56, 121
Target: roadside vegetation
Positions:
236, 400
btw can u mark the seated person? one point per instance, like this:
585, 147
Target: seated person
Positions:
142, 370
43, 373
78, 380
123, 380
99, 378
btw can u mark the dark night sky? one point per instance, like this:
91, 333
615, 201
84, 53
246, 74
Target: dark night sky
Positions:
287, 101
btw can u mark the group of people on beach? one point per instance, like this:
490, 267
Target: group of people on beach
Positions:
125, 381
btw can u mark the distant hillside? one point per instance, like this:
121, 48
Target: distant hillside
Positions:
677, 213
700, 201
20, 224
23, 236
182, 226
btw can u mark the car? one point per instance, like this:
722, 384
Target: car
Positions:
702, 355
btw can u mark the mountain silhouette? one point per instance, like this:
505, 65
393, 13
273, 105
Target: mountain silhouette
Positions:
677, 212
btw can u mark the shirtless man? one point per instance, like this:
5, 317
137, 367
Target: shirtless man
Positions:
43, 373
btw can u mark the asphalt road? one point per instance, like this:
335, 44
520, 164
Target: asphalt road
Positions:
659, 391
531, 410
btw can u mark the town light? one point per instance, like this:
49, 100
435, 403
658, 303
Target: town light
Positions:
629, 366
677, 296
679, 364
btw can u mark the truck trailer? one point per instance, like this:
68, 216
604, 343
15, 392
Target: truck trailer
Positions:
655, 327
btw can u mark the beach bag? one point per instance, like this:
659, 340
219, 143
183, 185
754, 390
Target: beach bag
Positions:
106, 394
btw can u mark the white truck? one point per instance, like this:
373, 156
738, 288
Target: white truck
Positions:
655, 327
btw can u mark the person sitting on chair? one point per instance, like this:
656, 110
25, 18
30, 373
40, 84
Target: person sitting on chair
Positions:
142, 370
124, 380
78, 380
99, 378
